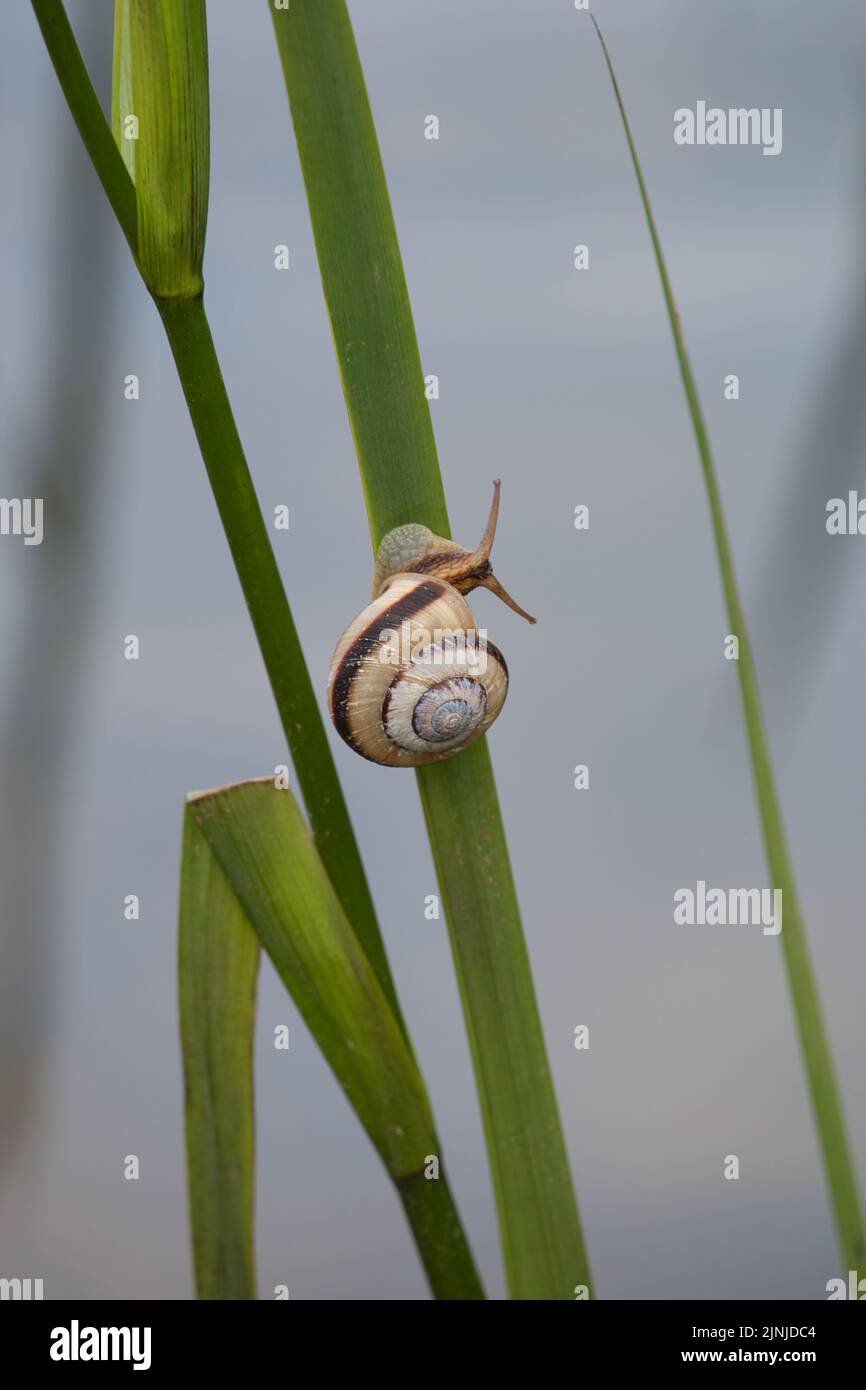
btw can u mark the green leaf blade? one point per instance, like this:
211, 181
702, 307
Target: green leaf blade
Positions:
160, 82
380, 366
264, 852
814, 1040
371, 317
261, 843
542, 1236
218, 960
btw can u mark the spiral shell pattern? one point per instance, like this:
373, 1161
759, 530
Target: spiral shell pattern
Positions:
411, 682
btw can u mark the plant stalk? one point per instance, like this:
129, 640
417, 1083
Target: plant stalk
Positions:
377, 350
198, 368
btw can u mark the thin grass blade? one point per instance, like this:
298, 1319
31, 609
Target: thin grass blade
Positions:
814, 1041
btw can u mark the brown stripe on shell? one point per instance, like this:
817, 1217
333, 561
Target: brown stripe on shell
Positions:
497, 655
386, 703
353, 658
489, 647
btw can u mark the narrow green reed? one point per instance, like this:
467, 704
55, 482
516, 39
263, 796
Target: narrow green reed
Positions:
377, 351
189, 336
815, 1046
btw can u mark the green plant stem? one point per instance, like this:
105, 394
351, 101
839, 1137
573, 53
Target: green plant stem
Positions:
191, 343
528, 1158
439, 1238
826, 1102
377, 350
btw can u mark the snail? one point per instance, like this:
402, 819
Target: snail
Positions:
413, 680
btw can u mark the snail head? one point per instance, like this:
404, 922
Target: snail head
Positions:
417, 550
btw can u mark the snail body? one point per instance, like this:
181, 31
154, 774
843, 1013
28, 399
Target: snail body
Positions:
412, 680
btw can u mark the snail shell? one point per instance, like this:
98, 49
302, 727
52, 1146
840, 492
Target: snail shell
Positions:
412, 681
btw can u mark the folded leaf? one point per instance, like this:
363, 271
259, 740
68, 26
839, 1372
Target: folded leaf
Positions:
260, 852
218, 967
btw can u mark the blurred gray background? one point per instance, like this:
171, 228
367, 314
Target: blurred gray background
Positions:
564, 384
